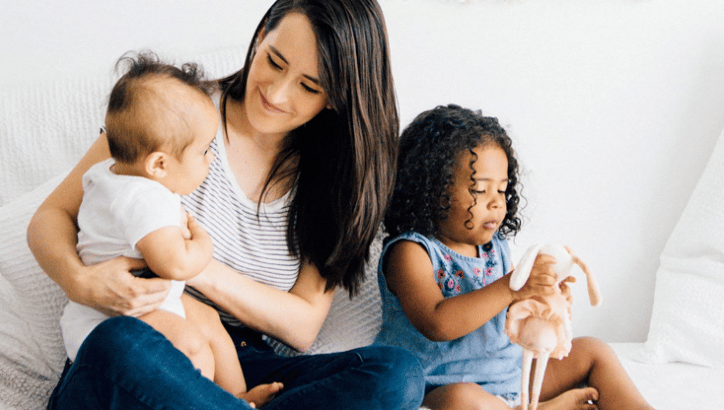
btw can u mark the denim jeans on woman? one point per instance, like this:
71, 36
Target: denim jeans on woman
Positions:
126, 364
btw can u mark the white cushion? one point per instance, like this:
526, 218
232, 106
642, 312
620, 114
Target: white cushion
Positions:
687, 323
31, 348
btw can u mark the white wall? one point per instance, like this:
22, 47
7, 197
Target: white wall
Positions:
614, 105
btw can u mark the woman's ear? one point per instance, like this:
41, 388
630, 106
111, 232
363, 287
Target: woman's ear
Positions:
156, 164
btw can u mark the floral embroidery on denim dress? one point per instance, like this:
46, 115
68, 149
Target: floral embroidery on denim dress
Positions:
450, 278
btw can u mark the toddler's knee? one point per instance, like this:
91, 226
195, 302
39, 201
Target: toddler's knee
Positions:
593, 348
460, 396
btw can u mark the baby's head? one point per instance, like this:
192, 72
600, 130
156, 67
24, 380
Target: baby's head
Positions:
159, 108
444, 153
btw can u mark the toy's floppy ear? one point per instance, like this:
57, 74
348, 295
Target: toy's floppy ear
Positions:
522, 271
594, 295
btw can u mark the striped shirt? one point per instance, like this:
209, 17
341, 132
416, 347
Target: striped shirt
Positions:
254, 246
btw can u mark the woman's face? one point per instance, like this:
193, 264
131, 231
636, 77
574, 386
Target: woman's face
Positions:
283, 90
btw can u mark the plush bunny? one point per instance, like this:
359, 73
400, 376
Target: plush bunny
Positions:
542, 324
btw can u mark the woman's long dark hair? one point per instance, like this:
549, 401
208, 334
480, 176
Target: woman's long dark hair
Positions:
345, 157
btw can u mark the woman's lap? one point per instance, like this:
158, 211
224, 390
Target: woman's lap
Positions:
126, 364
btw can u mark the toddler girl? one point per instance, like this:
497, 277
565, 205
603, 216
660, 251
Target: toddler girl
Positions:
444, 274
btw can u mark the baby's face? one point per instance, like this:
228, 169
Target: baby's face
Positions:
189, 171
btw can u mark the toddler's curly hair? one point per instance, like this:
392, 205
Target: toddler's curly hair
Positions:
431, 148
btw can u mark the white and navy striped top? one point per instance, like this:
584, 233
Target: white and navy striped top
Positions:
254, 246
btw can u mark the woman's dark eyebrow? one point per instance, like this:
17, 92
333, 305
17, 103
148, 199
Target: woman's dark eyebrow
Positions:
281, 57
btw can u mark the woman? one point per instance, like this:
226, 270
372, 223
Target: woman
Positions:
304, 170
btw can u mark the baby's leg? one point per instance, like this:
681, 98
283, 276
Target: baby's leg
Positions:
593, 363
185, 337
462, 396
227, 371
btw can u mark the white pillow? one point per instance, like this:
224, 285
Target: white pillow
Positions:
31, 348
687, 323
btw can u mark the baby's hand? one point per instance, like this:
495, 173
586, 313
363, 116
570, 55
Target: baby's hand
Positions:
185, 224
542, 279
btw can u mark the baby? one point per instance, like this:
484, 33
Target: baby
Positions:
159, 125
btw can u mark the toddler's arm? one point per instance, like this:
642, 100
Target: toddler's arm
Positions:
171, 256
409, 276
408, 272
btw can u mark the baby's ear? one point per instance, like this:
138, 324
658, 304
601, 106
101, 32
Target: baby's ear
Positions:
156, 164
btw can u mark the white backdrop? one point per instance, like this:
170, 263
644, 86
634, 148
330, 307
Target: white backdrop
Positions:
614, 105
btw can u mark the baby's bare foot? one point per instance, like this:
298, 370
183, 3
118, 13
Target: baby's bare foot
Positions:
576, 399
261, 394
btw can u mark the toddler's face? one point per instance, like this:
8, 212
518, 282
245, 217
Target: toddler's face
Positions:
477, 200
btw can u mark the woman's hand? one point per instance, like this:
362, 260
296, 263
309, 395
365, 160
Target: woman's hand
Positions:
110, 288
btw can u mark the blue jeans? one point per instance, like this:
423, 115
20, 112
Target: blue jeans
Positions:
126, 364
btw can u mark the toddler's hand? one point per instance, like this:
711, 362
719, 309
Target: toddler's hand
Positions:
542, 279
566, 290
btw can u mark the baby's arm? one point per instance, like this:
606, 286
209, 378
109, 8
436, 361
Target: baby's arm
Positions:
171, 256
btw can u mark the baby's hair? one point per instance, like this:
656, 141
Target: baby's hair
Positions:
141, 118
431, 148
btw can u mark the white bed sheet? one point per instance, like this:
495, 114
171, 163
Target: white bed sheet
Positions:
671, 386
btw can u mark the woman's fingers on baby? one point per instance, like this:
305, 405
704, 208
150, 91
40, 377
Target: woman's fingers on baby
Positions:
149, 294
125, 294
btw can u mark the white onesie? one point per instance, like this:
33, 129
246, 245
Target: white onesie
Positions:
116, 212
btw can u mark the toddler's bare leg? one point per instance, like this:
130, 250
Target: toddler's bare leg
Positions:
185, 337
462, 396
594, 363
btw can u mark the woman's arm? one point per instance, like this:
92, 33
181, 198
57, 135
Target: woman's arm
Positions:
52, 236
408, 273
293, 317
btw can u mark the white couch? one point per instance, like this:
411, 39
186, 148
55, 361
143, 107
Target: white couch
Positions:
44, 130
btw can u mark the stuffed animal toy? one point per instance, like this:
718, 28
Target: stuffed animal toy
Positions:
541, 324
